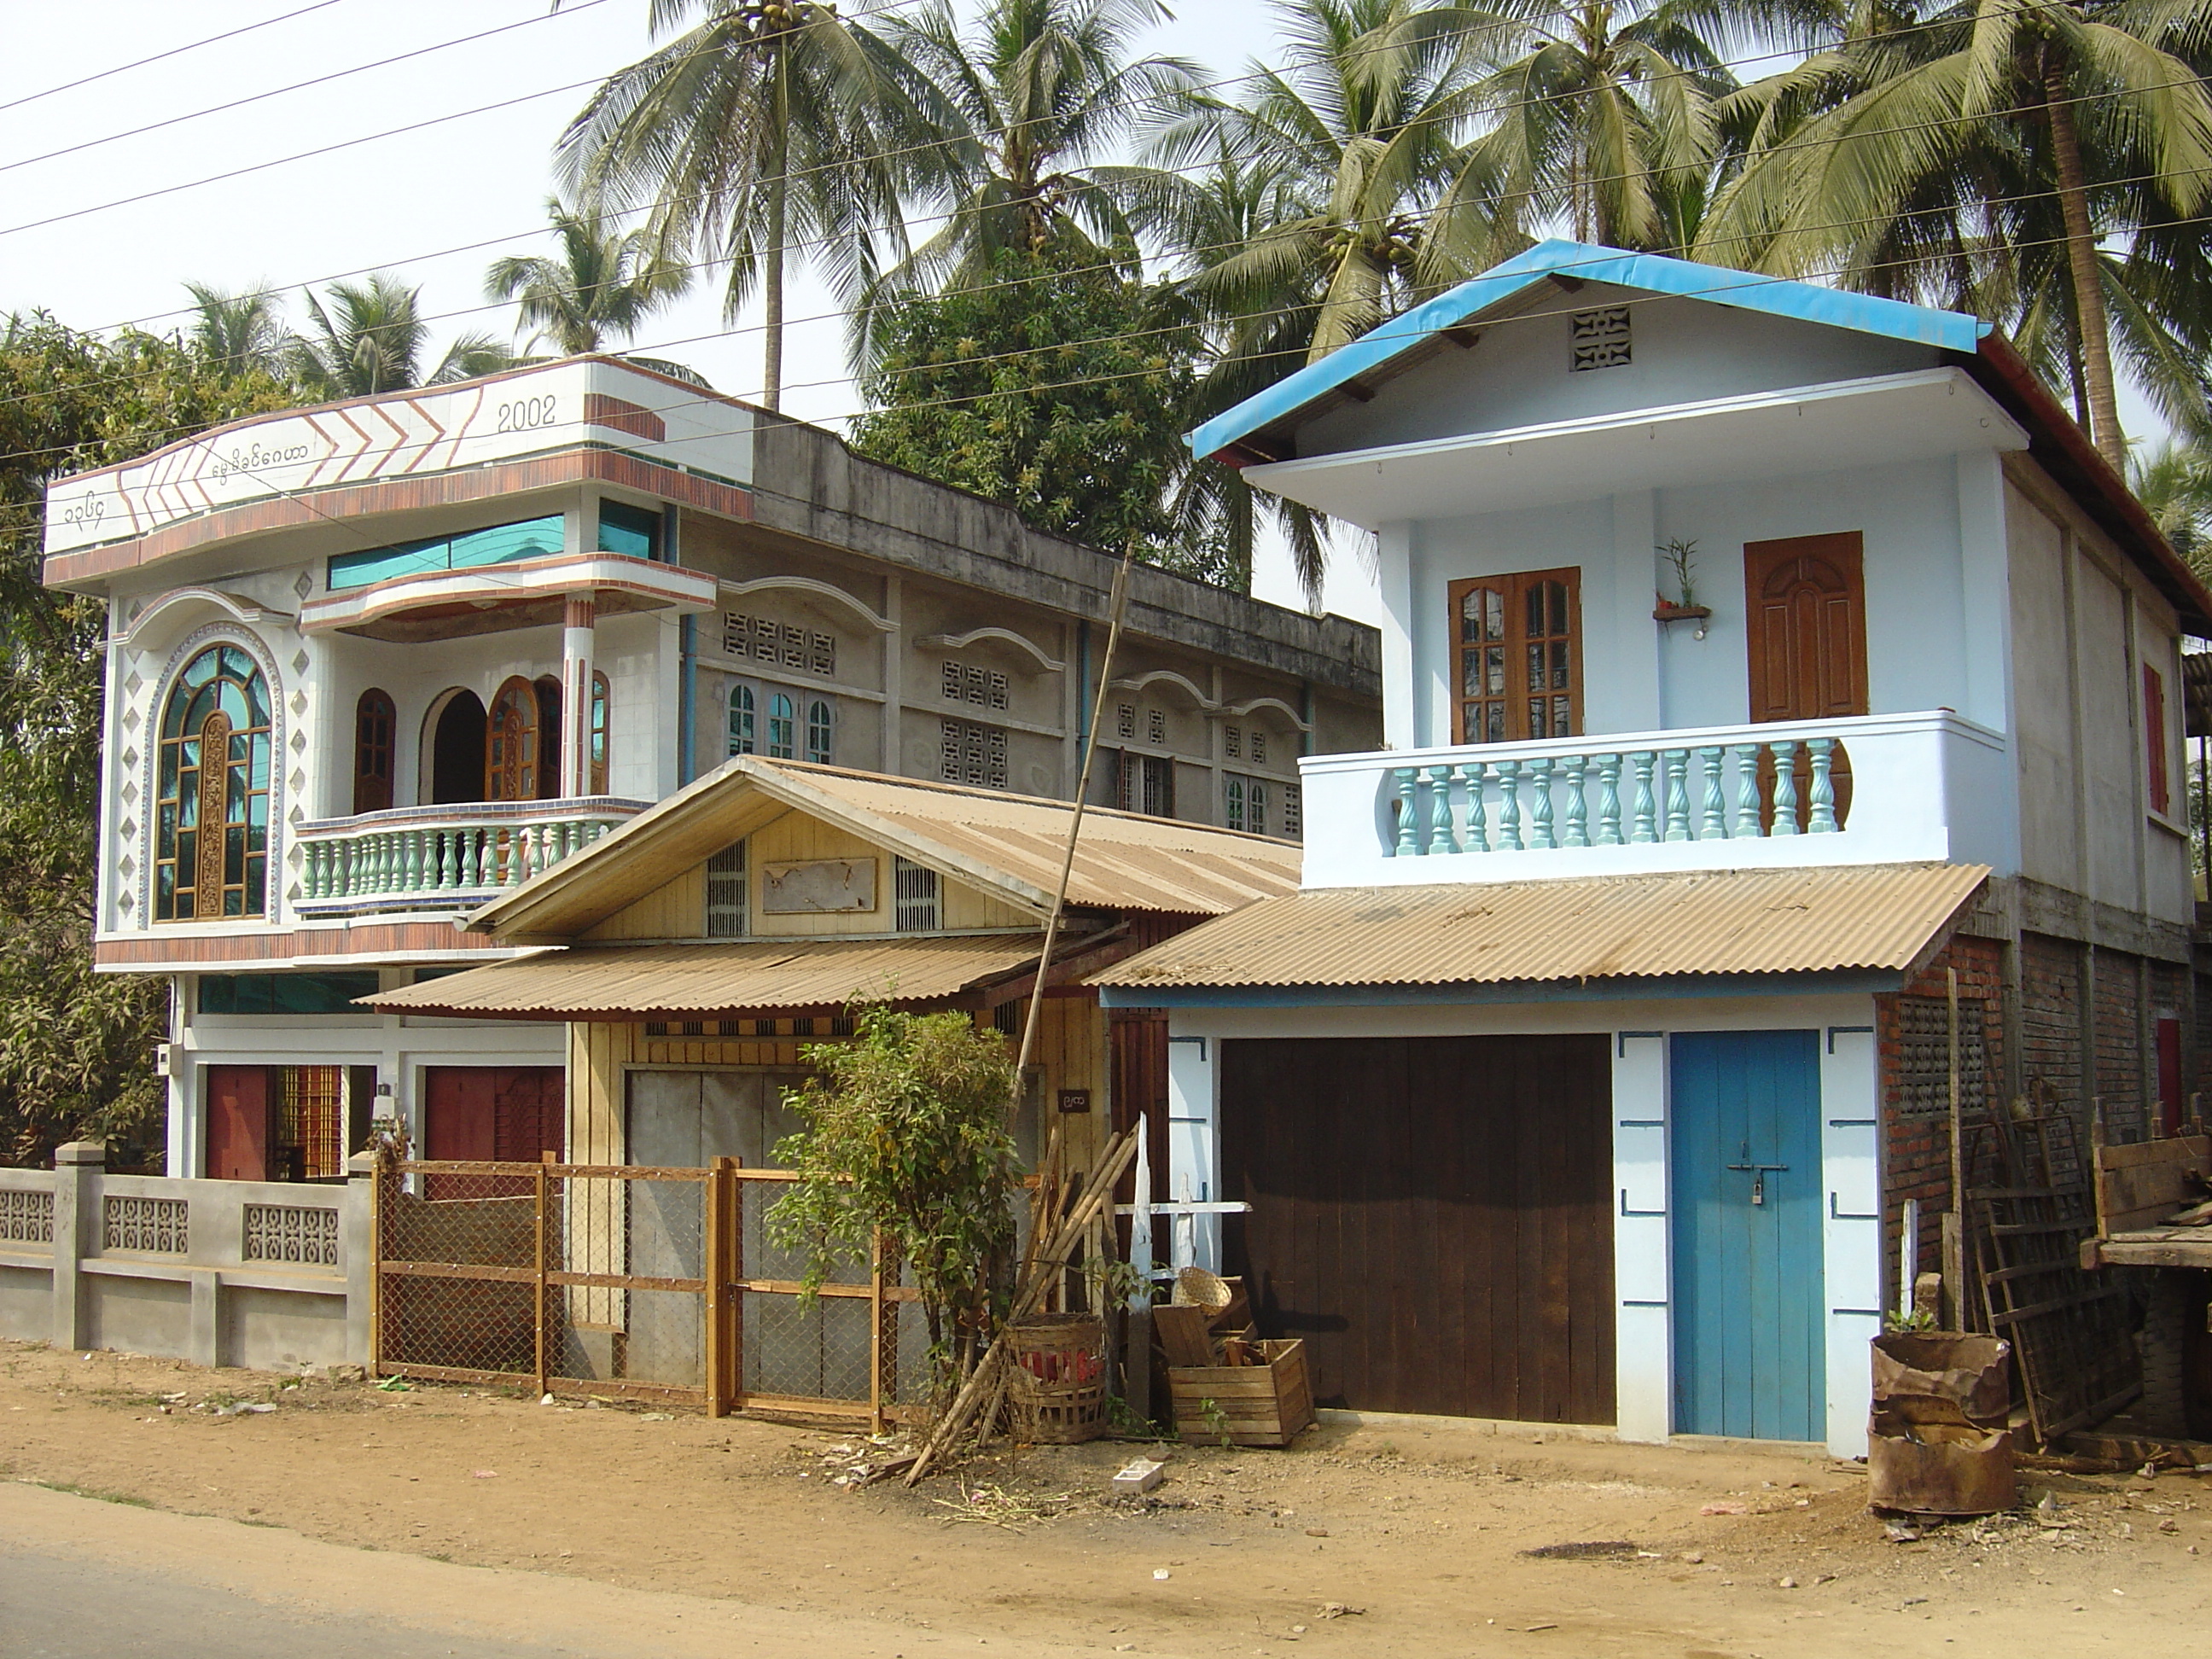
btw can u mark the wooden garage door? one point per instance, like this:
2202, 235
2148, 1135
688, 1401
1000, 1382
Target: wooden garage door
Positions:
1431, 1215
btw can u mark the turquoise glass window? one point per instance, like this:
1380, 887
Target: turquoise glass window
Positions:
782, 724
498, 543
635, 531
284, 994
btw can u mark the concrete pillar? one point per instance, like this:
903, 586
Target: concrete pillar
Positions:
357, 1255
78, 1166
203, 1325
579, 637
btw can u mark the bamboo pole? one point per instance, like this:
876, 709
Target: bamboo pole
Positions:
720, 1181
539, 1288
1954, 1223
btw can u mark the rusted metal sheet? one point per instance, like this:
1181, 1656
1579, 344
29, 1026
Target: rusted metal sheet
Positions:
652, 981
1726, 921
1937, 1443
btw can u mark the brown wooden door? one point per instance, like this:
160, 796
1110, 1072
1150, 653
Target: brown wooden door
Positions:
1805, 599
238, 1114
491, 1113
510, 744
1431, 1215
1805, 603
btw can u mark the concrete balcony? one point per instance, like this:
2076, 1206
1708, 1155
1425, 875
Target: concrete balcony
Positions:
448, 858
1927, 787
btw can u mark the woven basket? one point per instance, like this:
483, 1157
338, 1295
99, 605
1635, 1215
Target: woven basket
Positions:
1060, 1378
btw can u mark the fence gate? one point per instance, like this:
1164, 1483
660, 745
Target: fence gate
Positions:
627, 1281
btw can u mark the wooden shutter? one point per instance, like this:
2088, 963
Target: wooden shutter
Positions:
374, 719
1516, 647
238, 1122
2161, 789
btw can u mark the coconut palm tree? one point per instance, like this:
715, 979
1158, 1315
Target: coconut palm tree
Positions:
1025, 105
370, 336
2090, 114
238, 332
1356, 135
2175, 483
769, 129
602, 285
1598, 118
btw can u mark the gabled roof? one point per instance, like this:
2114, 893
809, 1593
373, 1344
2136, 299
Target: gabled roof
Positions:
1867, 917
1377, 353
1008, 846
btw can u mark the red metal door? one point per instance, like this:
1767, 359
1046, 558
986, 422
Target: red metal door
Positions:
238, 1098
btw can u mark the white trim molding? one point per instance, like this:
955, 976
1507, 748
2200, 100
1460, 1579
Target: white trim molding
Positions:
1012, 644
816, 590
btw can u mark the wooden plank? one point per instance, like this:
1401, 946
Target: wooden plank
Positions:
1182, 1336
2180, 1149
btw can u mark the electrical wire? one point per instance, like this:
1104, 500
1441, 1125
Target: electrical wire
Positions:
159, 57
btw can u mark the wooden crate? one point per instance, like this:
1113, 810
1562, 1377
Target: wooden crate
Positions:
1260, 1405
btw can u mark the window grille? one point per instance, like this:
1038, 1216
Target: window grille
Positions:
763, 1028
1259, 747
311, 1123
1125, 719
967, 683
728, 906
743, 740
760, 640
782, 727
656, 1028
917, 896
26, 1217
1006, 1018
1232, 742
802, 1028
1232, 803
1600, 339
691, 1028
842, 1025
1145, 783
1294, 812
820, 740
1921, 1085
1155, 727
973, 754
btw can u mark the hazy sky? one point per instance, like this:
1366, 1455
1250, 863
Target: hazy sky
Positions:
101, 221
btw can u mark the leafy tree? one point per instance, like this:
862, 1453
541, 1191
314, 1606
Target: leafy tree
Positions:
1023, 106
906, 1137
2175, 483
76, 1048
770, 127
602, 286
1057, 387
371, 337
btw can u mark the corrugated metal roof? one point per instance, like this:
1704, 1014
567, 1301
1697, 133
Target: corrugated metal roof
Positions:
1726, 921
1952, 330
1009, 845
648, 981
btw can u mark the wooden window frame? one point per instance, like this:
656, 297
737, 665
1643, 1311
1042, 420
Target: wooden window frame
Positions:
374, 772
189, 795
1515, 585
522, 695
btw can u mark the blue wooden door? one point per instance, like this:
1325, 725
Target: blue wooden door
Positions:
1745, 1117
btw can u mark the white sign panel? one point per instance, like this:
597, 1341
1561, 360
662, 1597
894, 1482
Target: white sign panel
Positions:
407, 434
812, 886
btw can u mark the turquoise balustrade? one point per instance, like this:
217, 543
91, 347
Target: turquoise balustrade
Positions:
436, 863
1572, 801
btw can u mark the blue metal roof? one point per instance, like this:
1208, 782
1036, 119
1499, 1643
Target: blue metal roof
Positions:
1950, 330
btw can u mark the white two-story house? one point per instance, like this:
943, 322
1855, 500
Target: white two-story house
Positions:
1758, 657
372, 664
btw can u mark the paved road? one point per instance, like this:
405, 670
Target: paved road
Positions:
58, 1606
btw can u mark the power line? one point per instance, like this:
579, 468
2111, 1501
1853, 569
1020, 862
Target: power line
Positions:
295, 85
174, 51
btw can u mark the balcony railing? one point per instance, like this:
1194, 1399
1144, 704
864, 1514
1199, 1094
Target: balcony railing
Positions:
444, 857
1876, 789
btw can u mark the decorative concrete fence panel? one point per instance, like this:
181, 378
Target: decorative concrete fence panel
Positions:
264, 1274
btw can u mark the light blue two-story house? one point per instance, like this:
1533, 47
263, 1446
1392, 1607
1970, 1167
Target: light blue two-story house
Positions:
1758, 658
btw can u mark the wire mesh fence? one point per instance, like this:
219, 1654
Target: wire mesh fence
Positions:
620, 1280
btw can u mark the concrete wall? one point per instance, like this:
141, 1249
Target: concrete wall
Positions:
205, 1271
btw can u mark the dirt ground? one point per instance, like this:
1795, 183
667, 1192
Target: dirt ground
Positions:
1405, 1539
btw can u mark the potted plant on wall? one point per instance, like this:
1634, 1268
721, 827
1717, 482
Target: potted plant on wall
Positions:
1681, 558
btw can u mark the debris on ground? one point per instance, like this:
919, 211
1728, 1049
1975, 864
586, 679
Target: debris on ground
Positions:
1138, 1476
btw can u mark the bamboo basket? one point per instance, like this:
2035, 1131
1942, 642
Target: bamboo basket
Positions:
1059, 1376
1263, 1405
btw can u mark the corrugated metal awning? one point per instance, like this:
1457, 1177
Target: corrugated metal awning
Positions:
1726, 922
651, 982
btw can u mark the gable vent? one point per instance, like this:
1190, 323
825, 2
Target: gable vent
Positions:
1600, 339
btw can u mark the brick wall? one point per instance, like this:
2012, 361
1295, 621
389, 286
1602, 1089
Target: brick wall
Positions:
1916, 1127
2050, 1014
2119, 1083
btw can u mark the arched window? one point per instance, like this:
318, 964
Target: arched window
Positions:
742, 740
511, 743
781, 736
820, 738
373, 723
598, 737
211, 794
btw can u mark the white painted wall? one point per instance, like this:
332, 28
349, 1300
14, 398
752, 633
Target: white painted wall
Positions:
1637, 1031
